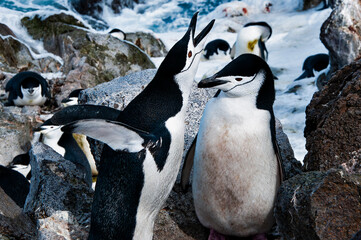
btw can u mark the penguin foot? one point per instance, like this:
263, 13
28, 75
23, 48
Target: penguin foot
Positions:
214, 235
261, 236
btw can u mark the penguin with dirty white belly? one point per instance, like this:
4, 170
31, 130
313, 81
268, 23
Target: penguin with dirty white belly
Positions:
27, 88
251, 39
143, 146
237, 169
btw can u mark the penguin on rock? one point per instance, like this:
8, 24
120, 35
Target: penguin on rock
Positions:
143, 146
72, 98
251, 39
27, 88
237, 169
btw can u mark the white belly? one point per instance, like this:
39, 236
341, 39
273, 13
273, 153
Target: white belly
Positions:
235, 178
37, 100
158, 184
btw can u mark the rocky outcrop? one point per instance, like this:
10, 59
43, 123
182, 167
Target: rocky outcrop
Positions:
6, 31
319, 205
59, 198
333, 121
15, 131
14, 224
94, 7
89, 58
307, 4
15, 57
153, 46
341, 33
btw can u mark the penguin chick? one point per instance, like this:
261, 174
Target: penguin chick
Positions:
14, 184
27, 88
115, 32
237, 169
143, 146
316, 62
251, 39
72, 99
214, 46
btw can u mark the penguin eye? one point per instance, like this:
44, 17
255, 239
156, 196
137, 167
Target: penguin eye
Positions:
239, 79
190, 54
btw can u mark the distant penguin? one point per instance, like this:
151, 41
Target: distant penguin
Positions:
66, 146
237, 169
72, 99
143, 147
251, 39
316, 62
115, 32
27, 88
14, 184
214, 47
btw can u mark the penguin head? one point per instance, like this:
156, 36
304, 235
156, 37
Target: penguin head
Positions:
30, 87
118, 33
247, 75
72, 99
50, 130
183, 58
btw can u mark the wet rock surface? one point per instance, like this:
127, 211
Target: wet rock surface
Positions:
319, 205
333, 120
341, 33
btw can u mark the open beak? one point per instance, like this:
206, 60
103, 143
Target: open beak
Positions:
203, 33
211, 82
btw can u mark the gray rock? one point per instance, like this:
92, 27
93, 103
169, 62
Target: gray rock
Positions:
291, 165
59, 198
341, 34
153, 46
15, 131
14, 224
307, 4
15, 57
319, 205
6, 31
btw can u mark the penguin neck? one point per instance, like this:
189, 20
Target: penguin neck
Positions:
162, 99
52, 141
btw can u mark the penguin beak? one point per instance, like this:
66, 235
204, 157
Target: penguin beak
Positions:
203, 33
211, 82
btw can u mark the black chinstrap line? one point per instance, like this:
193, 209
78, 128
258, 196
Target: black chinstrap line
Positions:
242, 83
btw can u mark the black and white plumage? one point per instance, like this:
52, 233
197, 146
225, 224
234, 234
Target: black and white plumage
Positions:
316, 62
144, 146
27, 88
72, 98
216, 47
251, 39
115, 32
14, 184
237, 168
66, 146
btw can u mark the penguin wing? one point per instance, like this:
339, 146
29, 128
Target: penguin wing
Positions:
187, 165
116, 135
80, 112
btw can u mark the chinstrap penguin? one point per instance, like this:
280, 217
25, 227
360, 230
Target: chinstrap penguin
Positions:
251, 39
66, 146
143, 147
118, 34
237, 169
14, 184
315, 62
72, 98
27, 88
216, 47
